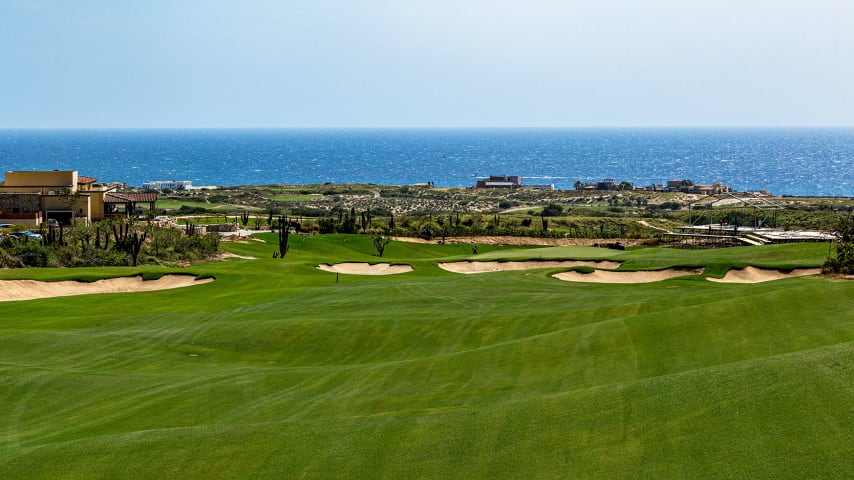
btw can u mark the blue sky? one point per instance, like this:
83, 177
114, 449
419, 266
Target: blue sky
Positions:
436, 63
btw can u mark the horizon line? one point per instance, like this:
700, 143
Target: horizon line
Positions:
452, 127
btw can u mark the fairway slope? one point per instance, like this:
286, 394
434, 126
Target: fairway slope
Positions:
278, 370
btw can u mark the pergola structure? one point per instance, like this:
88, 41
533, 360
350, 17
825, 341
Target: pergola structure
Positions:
709, 222
712, 224
124, 203
764, 211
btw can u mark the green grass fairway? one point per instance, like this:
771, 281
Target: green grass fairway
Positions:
279, 370
174, 204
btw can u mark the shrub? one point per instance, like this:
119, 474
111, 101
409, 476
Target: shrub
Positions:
188, 210
28, 252
842, 260
326, 225
380, 242
552, 210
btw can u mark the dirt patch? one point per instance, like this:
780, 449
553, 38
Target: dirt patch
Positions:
11, 290
365, 268
227, 255
758, 275
535, 241
483, 267
413, 240
604, 276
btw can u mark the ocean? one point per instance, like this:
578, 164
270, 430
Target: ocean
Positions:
814, 161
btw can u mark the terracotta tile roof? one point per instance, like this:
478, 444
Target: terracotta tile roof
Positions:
129, 197
82, 179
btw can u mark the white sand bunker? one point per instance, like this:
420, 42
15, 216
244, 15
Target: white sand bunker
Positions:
11, 290
603, 276
484, 267
365, 268
227, 255
757, 275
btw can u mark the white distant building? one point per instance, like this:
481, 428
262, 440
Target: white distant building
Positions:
168, 185
509, 181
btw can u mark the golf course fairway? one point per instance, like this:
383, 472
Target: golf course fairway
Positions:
280, 370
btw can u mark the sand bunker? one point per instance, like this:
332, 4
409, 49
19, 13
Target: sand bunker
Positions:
365, 268
757, 275
603, 276
227, 255
11, 290
483, 267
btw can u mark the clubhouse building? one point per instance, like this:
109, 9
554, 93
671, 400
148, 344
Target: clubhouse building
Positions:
33, 197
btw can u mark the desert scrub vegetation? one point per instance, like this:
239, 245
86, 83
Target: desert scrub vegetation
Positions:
430, 225
841, 260
114, 242
463, 211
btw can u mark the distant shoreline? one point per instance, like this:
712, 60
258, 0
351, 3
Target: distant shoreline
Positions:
431, 128
811, 161
386, 185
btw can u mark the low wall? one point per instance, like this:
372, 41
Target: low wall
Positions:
19, 203
219, 227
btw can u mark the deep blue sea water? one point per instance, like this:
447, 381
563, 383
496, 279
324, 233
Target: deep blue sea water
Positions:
783, 161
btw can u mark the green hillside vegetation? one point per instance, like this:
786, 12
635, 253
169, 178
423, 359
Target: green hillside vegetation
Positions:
641, 215
280, 370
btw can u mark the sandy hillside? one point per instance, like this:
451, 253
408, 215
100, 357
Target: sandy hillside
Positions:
484, 267
31, 289
757, 275
603, 276
354, 268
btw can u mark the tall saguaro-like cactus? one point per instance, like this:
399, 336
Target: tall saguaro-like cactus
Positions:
284, 231
135, 243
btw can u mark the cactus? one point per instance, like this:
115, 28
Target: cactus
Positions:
135, 243
121, 233
284, 231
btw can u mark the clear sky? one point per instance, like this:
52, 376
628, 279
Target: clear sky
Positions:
425, 63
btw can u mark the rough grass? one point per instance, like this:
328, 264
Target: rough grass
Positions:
176, 203
277, 371
293, 197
